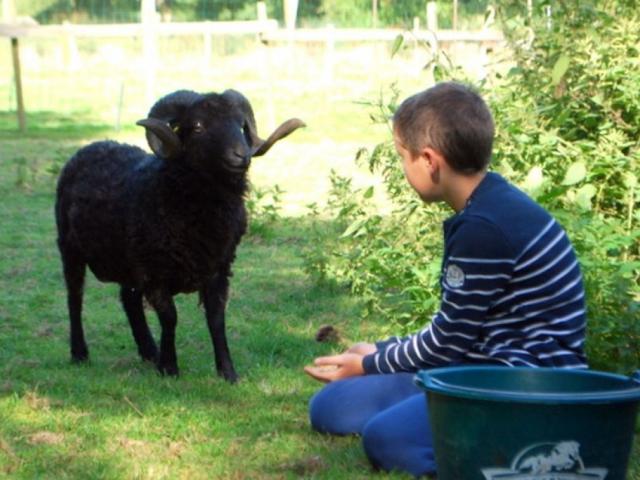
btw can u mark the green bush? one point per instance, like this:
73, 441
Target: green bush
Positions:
567, 132
263, 209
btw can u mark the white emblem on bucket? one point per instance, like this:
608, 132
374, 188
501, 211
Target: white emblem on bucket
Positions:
454, 276
547, 461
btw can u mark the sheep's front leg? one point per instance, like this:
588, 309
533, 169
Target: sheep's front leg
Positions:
214, 297
74, 272
132, 304
163, 304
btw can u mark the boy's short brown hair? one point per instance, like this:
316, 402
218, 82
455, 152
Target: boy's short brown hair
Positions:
452, 119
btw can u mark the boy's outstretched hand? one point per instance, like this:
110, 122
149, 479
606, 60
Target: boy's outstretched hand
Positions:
344, 365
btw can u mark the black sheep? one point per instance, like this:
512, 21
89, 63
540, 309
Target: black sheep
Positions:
162, 224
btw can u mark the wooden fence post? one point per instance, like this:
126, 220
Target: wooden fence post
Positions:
73, 56
8, 16
290, 13
374, 13
416, 33
206, 61
8, 11
455, 15
290, 16
432, 16
329, 54
15, 53
265, 64
547, 12
261, 8
148, 16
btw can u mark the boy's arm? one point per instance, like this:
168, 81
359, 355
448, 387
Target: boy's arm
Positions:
382, 344
479, 265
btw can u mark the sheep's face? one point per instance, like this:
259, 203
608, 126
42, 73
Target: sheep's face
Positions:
213, 133
215, 137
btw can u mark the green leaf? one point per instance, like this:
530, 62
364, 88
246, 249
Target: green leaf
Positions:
552, 194
397, 43
369, 192
488, 15
576, 173
630, 180
514, 71
534, 179
354, 228
559, 69
584, 196
548, 138
439, 73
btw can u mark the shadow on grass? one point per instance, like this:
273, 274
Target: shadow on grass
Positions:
32, 160
115, 417
54, 125
124, 415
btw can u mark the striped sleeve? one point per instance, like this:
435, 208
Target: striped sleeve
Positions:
382, 344
478, 264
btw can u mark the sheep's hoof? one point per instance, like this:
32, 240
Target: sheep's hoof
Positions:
230, 376
80, 356
149, 354
168, 370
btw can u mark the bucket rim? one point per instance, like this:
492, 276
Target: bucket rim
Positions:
428, 380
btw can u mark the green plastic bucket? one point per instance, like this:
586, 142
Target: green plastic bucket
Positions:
504, 423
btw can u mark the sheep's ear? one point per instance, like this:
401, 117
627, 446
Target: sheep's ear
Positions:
162, 140
279, 133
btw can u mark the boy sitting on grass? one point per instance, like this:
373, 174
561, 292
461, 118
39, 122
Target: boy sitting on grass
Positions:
511, 287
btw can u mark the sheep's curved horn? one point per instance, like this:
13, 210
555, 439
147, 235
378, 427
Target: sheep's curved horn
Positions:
163, 141
260, 146
279, 133
160, 136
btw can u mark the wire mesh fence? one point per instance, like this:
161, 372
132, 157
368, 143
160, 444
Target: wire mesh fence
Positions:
354, 13
114, 80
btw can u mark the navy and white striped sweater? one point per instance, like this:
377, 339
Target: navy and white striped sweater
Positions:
512, 291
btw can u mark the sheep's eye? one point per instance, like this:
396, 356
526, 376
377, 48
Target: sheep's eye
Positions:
246, 133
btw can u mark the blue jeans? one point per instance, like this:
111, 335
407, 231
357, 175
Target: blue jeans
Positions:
390, 413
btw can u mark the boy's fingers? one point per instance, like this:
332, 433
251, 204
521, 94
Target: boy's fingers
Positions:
332, 360
318, 374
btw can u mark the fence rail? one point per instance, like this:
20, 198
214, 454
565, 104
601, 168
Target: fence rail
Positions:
139, 29
266, 30
380, 35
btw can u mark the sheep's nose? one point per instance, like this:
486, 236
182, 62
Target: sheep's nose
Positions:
240, 159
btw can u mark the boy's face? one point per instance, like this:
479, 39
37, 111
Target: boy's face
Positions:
419, 171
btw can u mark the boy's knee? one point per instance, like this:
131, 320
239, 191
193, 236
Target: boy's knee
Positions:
390, 452
333, 409
375, 444
324, 413
320, 413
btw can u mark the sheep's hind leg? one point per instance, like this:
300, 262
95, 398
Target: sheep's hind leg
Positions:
162, 303
132, 303
214, 297
74, 272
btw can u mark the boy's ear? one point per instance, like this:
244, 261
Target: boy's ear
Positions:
433, 159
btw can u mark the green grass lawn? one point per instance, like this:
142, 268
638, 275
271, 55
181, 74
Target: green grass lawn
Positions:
115, 417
